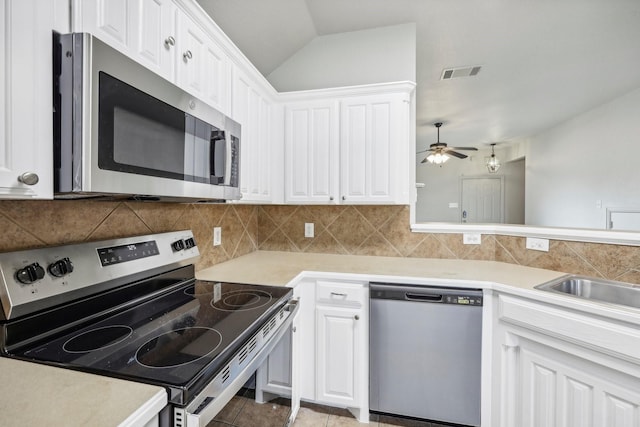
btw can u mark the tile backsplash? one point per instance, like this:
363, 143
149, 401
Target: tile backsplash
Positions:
357, 230
30, 224
384, 230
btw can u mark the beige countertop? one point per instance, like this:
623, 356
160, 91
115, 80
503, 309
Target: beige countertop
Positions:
280, 268
289, 268
37, 395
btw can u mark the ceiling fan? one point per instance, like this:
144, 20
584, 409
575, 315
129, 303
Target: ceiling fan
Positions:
440, 152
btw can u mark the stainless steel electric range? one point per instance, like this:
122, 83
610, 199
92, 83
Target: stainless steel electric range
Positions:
132, 309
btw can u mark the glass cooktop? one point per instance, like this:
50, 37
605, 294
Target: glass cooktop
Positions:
170, 339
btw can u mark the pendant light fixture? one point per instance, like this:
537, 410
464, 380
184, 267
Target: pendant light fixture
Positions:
493, 164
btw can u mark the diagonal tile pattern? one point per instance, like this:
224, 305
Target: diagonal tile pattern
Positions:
355, 229
384, 231
31, 224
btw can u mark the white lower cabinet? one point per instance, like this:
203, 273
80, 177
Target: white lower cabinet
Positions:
548, 379
338, 337
332, 357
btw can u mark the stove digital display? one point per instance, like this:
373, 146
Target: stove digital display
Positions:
124, 253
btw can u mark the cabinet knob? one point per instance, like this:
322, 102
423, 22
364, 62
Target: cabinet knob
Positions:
294, 329
29, 178
169, 41
330, 198
356, 317
187, 55
344, 197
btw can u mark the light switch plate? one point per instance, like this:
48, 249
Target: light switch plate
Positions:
537, 244
217, 236
472, 238
308, 229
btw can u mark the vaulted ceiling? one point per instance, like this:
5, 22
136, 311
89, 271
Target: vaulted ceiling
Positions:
543, 61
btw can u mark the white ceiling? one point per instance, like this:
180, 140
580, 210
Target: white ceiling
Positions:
543, 61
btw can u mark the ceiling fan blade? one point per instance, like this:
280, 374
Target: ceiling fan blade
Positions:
424, 160
456, 154
463, 148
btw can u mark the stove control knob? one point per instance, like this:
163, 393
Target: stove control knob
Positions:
189, 243
61, 267
30, 273
178, 245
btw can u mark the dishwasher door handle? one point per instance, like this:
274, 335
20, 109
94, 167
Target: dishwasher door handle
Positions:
410, 296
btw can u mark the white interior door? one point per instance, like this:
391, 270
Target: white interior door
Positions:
482, 199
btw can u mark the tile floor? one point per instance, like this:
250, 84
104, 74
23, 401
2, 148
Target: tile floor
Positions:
243, 411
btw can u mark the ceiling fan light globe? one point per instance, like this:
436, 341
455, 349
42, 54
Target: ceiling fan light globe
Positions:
437, 158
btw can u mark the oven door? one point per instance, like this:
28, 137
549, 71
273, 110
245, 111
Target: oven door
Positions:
208, 403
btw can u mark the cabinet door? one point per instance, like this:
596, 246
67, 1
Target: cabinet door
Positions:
558, 388
373, 137
202, 66
216, 76
144, 30
311, 153
338, 337
154, 41
192, 49
26, 129
111, 21
254, 112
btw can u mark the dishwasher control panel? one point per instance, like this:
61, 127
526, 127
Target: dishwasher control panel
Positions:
426, 294
462, 299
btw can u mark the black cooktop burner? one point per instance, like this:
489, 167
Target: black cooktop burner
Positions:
189, 344
241, 300
95, 339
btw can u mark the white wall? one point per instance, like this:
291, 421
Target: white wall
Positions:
580, 167
385, 54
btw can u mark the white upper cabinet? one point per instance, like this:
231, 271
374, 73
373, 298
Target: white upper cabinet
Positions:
145, 30
156, 36
312, 155
260, 154
374, 140
163, 38
347, 147
26, 129
202, 66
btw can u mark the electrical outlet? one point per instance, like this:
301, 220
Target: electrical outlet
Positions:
217, 236
471, 238
536, 244
308, 229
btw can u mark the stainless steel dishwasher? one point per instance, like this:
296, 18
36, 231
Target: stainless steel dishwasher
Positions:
425, 349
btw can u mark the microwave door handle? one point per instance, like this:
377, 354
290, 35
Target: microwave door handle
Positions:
218, 154
228, 159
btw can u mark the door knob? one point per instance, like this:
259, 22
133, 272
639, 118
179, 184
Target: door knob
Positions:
29, 178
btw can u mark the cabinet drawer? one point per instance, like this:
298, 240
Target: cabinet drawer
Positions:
341, 293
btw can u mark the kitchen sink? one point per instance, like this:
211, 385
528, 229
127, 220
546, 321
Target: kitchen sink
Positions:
595, 289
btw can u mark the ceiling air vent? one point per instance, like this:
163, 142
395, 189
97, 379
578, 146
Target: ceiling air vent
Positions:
452, 73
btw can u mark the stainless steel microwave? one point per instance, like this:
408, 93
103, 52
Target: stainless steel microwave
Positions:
120, 129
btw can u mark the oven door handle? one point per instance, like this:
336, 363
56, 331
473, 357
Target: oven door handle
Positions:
211, 400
